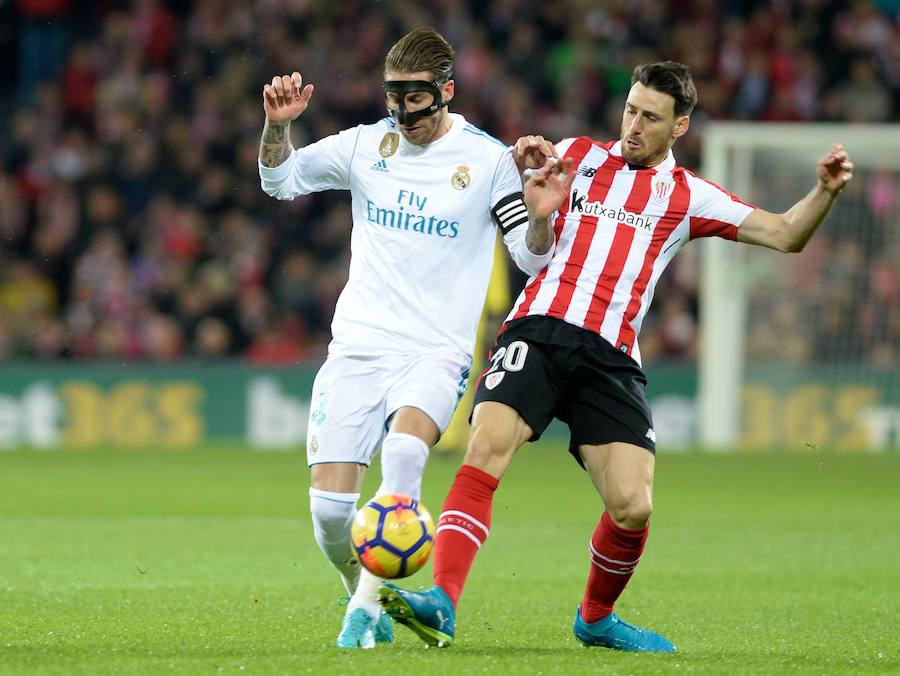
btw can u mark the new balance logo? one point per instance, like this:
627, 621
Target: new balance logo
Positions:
587, 171
380, 165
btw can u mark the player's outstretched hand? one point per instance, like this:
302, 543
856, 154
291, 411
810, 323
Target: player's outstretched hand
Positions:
531, 152
285, 98
835, 169
548, 188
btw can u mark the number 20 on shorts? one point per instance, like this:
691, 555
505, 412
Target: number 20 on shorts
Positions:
510, 358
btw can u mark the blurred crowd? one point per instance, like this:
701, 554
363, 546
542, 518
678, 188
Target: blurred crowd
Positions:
845, 286
132, 224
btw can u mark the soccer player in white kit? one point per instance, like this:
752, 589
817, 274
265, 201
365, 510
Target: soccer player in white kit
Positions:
427, 191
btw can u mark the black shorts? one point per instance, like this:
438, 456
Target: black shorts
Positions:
545, 368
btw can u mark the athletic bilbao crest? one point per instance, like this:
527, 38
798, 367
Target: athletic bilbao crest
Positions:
493, 379
661, 189
389, 144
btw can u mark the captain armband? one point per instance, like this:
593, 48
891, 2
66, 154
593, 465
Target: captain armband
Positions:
510, 212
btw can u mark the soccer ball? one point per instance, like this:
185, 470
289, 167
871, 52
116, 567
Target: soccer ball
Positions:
392, 535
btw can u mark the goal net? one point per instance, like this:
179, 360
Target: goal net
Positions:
800, 351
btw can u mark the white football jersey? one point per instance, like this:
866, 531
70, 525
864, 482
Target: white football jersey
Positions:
424, 221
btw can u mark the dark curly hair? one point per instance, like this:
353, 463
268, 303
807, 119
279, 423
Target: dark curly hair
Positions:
672, 78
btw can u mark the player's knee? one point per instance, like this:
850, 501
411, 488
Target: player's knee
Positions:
630, 511
486, 449
403, 458
480, 450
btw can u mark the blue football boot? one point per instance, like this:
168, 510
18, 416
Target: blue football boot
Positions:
430, 613
611, 632
358, 630
384, 628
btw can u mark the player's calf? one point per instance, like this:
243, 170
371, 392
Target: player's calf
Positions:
332, 513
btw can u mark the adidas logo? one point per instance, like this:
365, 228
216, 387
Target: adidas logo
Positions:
381, 165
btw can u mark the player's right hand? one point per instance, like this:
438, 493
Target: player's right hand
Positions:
547, 189
835, 170
285, 98
531, 152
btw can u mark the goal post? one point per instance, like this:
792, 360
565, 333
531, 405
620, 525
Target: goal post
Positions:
813, 321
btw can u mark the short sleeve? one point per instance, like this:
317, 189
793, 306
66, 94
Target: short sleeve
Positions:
562, 147
323, 165
506, 179
715, 212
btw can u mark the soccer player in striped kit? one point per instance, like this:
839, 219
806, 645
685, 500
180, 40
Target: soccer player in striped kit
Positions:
428, 191
569, 346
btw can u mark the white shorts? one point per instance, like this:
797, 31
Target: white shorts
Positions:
353, 399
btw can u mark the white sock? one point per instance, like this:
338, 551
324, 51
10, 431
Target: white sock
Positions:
403, 458
332, 514
366, 594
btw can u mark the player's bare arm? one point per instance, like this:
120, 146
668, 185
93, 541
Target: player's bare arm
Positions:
545, 192
790, 231
283, 101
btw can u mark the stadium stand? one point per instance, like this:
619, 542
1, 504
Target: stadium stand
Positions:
132, 225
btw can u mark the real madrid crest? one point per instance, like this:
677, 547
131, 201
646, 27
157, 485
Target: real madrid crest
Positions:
389, 144
461, 178
661, 189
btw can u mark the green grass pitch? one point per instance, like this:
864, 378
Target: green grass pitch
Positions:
141, 562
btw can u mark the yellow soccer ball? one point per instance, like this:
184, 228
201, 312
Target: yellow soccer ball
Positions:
392, 536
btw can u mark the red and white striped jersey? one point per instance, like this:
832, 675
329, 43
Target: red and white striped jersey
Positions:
615, 236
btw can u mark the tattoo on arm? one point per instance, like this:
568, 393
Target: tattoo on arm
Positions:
539, 237
275, 146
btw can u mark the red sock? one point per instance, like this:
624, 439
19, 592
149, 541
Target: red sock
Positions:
462, 528
615, 553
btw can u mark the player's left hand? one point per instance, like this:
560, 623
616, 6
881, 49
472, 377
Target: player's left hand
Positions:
548, 188
835, 169
531, 152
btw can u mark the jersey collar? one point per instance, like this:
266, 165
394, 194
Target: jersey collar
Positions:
458, 122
